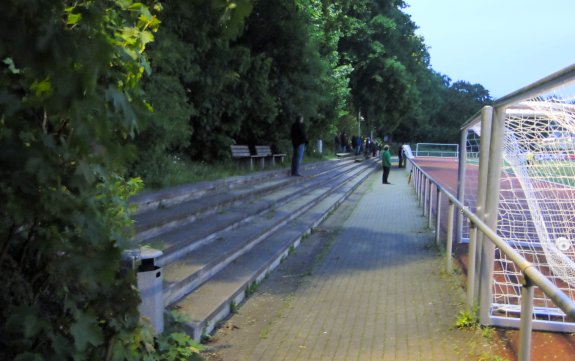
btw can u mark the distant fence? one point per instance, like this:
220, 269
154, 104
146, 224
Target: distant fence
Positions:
436, 150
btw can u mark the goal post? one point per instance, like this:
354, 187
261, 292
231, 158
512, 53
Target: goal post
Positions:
519, 177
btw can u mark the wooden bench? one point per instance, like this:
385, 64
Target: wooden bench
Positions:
243, 152
266, 151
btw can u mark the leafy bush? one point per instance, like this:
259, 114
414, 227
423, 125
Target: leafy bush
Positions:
69, 108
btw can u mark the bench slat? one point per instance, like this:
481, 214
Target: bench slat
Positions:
266, 151
240, 151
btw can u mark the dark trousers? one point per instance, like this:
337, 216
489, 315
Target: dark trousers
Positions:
297, 158
385, 174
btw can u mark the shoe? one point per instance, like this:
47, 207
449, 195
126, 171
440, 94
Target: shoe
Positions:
298, 175
386, 183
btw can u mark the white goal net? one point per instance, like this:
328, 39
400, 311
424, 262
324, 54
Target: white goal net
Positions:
537, 201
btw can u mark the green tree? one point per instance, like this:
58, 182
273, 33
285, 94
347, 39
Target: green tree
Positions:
217, 86
302, 79
460, 101
389, 61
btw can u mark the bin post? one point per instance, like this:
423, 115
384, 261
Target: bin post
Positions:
150, 279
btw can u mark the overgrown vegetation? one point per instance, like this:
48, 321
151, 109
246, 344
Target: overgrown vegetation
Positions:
174, 344
69, 105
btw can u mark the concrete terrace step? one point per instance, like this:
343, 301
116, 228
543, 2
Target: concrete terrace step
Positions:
182, 240
238, 228
183, 276
211, 301
180, 209
167, 197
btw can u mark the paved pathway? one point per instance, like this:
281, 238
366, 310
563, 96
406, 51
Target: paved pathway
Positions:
377, 294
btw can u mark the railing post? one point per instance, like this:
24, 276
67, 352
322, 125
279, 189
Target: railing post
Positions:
449, 244
421, 188
419, 185
491, 213
461, 182
438, 217
526, 324
416, 181
486, 118
426, 186
471, 266
429, 222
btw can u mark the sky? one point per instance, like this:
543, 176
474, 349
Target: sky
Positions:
503, 45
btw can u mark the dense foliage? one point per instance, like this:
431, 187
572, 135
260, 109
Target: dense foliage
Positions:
69, 105
96, 91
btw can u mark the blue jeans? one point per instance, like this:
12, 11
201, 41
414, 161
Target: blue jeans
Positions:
297, 158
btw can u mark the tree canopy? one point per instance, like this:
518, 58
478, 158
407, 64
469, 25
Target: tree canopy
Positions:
327, 60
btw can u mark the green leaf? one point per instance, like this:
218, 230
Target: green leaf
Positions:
86, 331
32, 325
25, 320
41, 88
146, 37
136, 6
73, 19
124, 4
85, 171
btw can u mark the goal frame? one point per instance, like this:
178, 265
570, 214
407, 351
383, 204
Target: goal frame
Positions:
491, 121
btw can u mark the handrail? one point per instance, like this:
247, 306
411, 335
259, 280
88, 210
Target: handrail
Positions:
529, 270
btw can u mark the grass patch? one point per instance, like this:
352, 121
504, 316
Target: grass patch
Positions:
233, 307
490, 357
183, 171
467, 319
251, 289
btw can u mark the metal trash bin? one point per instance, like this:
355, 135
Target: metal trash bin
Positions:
150, 281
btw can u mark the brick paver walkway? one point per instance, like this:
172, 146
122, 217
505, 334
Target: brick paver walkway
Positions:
378, 294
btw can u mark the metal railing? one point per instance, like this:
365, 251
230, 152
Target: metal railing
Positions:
424, 186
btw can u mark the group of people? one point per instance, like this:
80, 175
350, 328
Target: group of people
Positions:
358, 145
300, 141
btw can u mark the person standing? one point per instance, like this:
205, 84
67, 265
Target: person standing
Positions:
299, 141
386, 161
400, 157
367, 149
344, 142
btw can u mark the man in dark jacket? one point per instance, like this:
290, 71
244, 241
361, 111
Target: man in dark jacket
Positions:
299, 141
